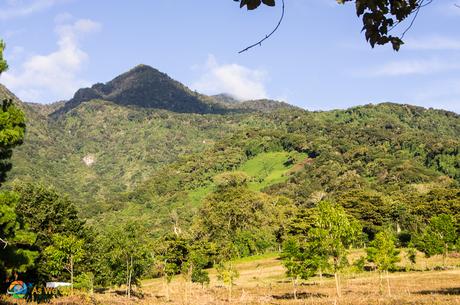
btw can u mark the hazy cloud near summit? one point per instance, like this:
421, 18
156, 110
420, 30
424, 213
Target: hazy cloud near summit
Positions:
54, 75
242, 82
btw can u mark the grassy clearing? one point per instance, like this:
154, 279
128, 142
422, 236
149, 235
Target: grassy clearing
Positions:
262, 281
269, 168
264, 170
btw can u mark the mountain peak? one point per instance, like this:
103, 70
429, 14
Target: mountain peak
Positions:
144, 86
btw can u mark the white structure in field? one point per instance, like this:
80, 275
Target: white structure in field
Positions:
57, 284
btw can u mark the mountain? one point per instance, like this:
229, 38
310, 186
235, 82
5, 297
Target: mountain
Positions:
143, 145
144, 86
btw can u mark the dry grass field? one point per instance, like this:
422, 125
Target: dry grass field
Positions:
262, 281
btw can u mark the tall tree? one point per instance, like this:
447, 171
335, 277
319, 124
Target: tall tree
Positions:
12, 126
383, 253
16, 252
240, 221
63, 254
46, 213
15, 238
123, 254
301, 259
335, 232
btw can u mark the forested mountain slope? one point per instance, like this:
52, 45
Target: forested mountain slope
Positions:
115, 149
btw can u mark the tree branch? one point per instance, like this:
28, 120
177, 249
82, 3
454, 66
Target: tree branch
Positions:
259, 43
421, 4
5, 242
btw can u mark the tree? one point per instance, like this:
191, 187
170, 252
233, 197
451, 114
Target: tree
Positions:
3, 63
334, 232
12, 126
15, 237
239, 221
123, 254
439, 237
379, 17
227, 273
171, 253
63, 254
16, 252
301, 259
46, 212
383, 253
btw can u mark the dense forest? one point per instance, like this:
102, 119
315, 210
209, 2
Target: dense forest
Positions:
141, 177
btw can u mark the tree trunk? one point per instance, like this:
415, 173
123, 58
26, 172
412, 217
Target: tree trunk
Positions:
127, 275
167, 288
320, 276
130, 277
294, 285
444, 255
388, 283
71, 274
230, 293
337, 284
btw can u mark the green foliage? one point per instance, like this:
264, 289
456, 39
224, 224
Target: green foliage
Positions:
270, 168
46, 213
382, 251
171, 256
240, 221
231, 179
121, 254
371, 208
335, 232
227, 185
411, 255
227, 273
320, 239
12, 125
12, 128
63, 254
85, 281
16, 255
3, 64
438, 237
301, 259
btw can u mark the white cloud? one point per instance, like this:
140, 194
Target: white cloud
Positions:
23, 8
414, 67
433, 43
46, 78
242, 82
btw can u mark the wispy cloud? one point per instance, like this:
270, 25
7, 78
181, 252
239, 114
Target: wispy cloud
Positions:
414, 67
242, 82
440, 43
46, 78
443, 94
23, 8
448, 8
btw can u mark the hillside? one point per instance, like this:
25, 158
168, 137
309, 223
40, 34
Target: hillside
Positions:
113, 147
140, 192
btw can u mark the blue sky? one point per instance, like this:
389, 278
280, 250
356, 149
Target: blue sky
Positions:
317, 60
